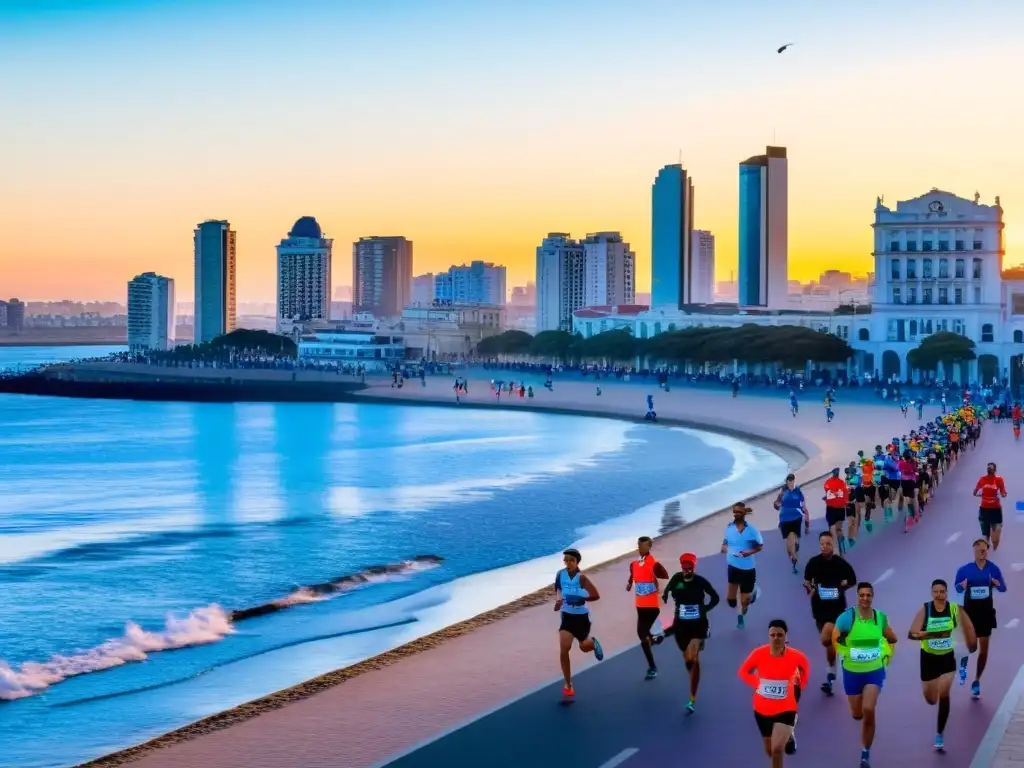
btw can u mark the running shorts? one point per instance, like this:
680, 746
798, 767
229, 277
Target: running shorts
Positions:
983, 617
686, 631
860, 494
834, 515
883, 491
790, 526
645, 618
893, 483
909, 488
989, 518
934, 666
576, 624
744, 579
766, 723
855, 682
826, 612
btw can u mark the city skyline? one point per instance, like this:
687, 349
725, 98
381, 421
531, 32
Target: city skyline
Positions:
106, 159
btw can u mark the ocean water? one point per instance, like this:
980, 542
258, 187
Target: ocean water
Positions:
163, 561
15, 358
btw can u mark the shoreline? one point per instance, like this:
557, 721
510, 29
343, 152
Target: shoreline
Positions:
794, 455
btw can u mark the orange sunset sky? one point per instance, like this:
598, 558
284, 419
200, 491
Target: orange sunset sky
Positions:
476, 128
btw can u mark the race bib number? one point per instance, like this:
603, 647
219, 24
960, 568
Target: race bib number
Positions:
828, 593
865, 654
644, 588
941, 644
980, 593
689, 612
777, 690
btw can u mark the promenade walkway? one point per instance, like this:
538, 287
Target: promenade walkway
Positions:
378, 715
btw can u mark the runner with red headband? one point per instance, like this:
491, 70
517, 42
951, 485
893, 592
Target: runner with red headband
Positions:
690, 625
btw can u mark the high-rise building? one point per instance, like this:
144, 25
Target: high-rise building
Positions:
303, 275
215, 280
671, 238
15, 315
3, 313
561, 282
610, 270
703, 250
151, 312
478, 283
381, 275
763, 236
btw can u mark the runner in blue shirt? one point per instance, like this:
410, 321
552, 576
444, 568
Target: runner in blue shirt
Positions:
742, 541
792, 507
794, 406
975, 581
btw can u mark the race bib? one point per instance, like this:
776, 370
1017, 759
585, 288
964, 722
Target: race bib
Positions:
980, 593
865, 654
689, 612
828, 593
941, 644
777, 690
644, 588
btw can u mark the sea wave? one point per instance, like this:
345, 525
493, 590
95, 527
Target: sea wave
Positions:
201, 626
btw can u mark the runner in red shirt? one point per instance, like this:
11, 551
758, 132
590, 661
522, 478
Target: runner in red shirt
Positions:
837, 496
990, 488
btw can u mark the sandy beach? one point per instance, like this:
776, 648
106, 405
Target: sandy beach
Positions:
351, 716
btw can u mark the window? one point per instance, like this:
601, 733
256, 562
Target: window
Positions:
926, 245
911, 295
943, 295
926, 296
958, 327
911, 245
1018, 337
958, 295
892, 331
894, 269
943, 268
977, 295
643, 330
911, 269
896, 295
926, 269
944, 245
864, 335
959, 268
977, 245
894, 246
986, 333
976, 269
657, 328
959, 245
913, 328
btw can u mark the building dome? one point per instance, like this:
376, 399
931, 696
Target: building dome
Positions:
306, 227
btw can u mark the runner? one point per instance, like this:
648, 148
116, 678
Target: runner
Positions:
975, 582
690, 626
837, 495
827, 576
891, 469
865, 641
854, 503
573, 590
775, 672
866, 497
644, 573
933, 626
990, 487
742, 541
792, 507
794, 406
908, 488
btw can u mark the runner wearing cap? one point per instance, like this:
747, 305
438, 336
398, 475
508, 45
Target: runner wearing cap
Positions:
690, 625
644, 573
742, 541
573, 591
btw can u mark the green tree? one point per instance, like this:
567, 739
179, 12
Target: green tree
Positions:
506, 343
556, 345
617, 345
942, 347
255, 342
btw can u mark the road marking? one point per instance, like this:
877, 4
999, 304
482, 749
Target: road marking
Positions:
884, 576
954, 537
1012, 623
986, 754
620, 758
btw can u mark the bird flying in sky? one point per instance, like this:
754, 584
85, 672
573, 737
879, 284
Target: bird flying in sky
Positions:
784, 47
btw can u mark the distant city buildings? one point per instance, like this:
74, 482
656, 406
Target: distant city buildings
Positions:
672, 206
3, 314
476, 283
151, 313
381, 275
702, 249
423, 290
303, 276
561, 281
610, 268
763, 230
14, 315
215, 312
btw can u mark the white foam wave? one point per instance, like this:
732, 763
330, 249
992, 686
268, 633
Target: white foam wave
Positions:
200, 627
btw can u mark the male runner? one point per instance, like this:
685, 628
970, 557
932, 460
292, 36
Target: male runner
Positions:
933, 626
644, 573
975, 581
891, 470
827, 576
866, 496
794, 406
854, 503
775, 672
837, 495
908, 488
792, 507
690, 626
573, 590
990, 487
865, 641
742, 541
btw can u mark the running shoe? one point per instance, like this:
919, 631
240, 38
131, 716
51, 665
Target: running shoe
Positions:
869, 525
940, 744
791, 745
568, 692
651, 674
963, 671
739, 622
976, 689
795, 569
865, 758
690, 707
598, 650
755, 594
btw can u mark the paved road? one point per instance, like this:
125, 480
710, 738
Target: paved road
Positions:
619, 719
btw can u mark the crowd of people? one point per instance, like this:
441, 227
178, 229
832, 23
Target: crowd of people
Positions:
897, 480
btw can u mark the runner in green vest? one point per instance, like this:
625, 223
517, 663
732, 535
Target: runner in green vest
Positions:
933, 626
865, 642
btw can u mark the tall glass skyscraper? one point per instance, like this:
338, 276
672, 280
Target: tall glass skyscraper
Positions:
672, 237
763, 236
215, 280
